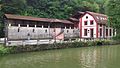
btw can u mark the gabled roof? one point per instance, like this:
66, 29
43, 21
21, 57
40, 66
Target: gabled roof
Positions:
29, 18
73, 19
100, 18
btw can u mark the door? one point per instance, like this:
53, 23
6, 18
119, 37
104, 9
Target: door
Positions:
91, 33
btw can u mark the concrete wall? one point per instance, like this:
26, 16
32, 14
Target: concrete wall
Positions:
16, 33
71, 33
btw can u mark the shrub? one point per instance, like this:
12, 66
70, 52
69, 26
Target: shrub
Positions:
91, 43
4, 50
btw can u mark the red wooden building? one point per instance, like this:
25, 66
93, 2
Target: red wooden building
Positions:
93, 25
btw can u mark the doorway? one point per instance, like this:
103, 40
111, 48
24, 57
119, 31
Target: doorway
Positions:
91, 33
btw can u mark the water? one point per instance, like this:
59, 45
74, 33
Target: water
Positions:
85, 57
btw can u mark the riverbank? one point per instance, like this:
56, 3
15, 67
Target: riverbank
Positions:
28, 48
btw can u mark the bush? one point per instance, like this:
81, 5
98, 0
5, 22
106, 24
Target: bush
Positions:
117, 37
4, 50
91, 43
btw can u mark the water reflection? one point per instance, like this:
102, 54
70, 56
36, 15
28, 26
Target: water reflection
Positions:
86, 57
99, 57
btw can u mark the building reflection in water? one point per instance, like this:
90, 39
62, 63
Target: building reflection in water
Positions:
97, 57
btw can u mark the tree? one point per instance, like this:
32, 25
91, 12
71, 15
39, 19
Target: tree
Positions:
61, 9
113, 11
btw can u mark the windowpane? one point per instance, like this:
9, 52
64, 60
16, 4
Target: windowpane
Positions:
100, 25
23, 24
31, 23
91, 22
39, 24
33, 30
106, 32
85, 22
67, 31
100, 32
45, 31
110, 32
85, 32
18, 29
86, 17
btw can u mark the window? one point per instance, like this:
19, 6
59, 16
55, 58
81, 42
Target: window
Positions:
15, 24
31, 25
67, 31
23, 24
54, 30
106, 32
45, 25
100, 25
63, 26
97, 17
91, 22
85, 22
85, 32
18, 29
28, 34
33, 30
73, 31
86, 17
72, 26
39, 24
100, 31
67, 26
45, 31
110, 32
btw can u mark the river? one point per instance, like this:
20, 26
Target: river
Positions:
84, 57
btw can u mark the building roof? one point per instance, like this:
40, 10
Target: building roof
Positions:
18, 17
73, 19
77, 15
100, 18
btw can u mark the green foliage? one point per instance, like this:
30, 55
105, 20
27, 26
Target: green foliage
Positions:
117, 37
91, 43
113, 11
4, 50
61, 9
